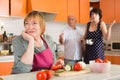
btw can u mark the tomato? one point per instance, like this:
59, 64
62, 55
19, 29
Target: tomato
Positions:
60, 66
57, 66
77, 67
83, 64
41, 75
49, 74
106, 61
54, 67
98, 60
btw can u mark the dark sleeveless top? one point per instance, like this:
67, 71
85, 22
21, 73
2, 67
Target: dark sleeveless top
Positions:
96, 50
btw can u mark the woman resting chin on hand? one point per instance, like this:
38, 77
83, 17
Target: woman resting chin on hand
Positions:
33, 50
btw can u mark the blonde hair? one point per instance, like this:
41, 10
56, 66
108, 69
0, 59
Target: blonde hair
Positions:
36, 14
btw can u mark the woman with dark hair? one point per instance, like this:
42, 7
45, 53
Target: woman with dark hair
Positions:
33, 50
95, 32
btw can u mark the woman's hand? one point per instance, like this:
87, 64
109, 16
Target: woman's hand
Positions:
27, 36
27, 57
112, 24
107, 32
59, 64
59, 61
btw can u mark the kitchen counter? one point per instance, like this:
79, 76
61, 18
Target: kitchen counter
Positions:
112, 53
113, 74
11, 57
6, 64
109, 53
8, 58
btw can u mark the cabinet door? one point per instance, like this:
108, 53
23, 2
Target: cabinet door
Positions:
114, 59
61, 10
73, 8
108, 10
42, 5
6, 68
84, 11
18, 8
117, 11
4, 7
110, 58
79, 8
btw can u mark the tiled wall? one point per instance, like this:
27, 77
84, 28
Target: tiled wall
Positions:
54, 29
12, 25
115, 33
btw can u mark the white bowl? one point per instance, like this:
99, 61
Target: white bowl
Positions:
100, 67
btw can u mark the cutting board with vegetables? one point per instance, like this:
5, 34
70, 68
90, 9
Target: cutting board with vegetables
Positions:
70, 70
71, 73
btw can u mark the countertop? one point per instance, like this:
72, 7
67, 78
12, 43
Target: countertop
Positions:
8, 58
113, 74
11, 57
112, 53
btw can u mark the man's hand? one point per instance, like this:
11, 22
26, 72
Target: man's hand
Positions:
61, 38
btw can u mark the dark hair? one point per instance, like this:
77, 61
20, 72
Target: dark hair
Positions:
96, 11
37, 14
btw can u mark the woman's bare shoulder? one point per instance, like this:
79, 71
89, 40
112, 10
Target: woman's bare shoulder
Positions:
102, 24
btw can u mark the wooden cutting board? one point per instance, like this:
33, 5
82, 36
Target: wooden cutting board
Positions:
71, 73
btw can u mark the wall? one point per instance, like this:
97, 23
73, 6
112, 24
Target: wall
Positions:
54, 29
115, 33
12, 25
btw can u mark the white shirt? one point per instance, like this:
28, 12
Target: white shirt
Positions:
72, 46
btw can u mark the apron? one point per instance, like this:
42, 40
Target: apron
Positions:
43, 60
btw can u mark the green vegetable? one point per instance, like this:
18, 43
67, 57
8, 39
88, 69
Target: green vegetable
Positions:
59, 70
68, 67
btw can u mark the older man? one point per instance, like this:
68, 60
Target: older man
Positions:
71, 39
